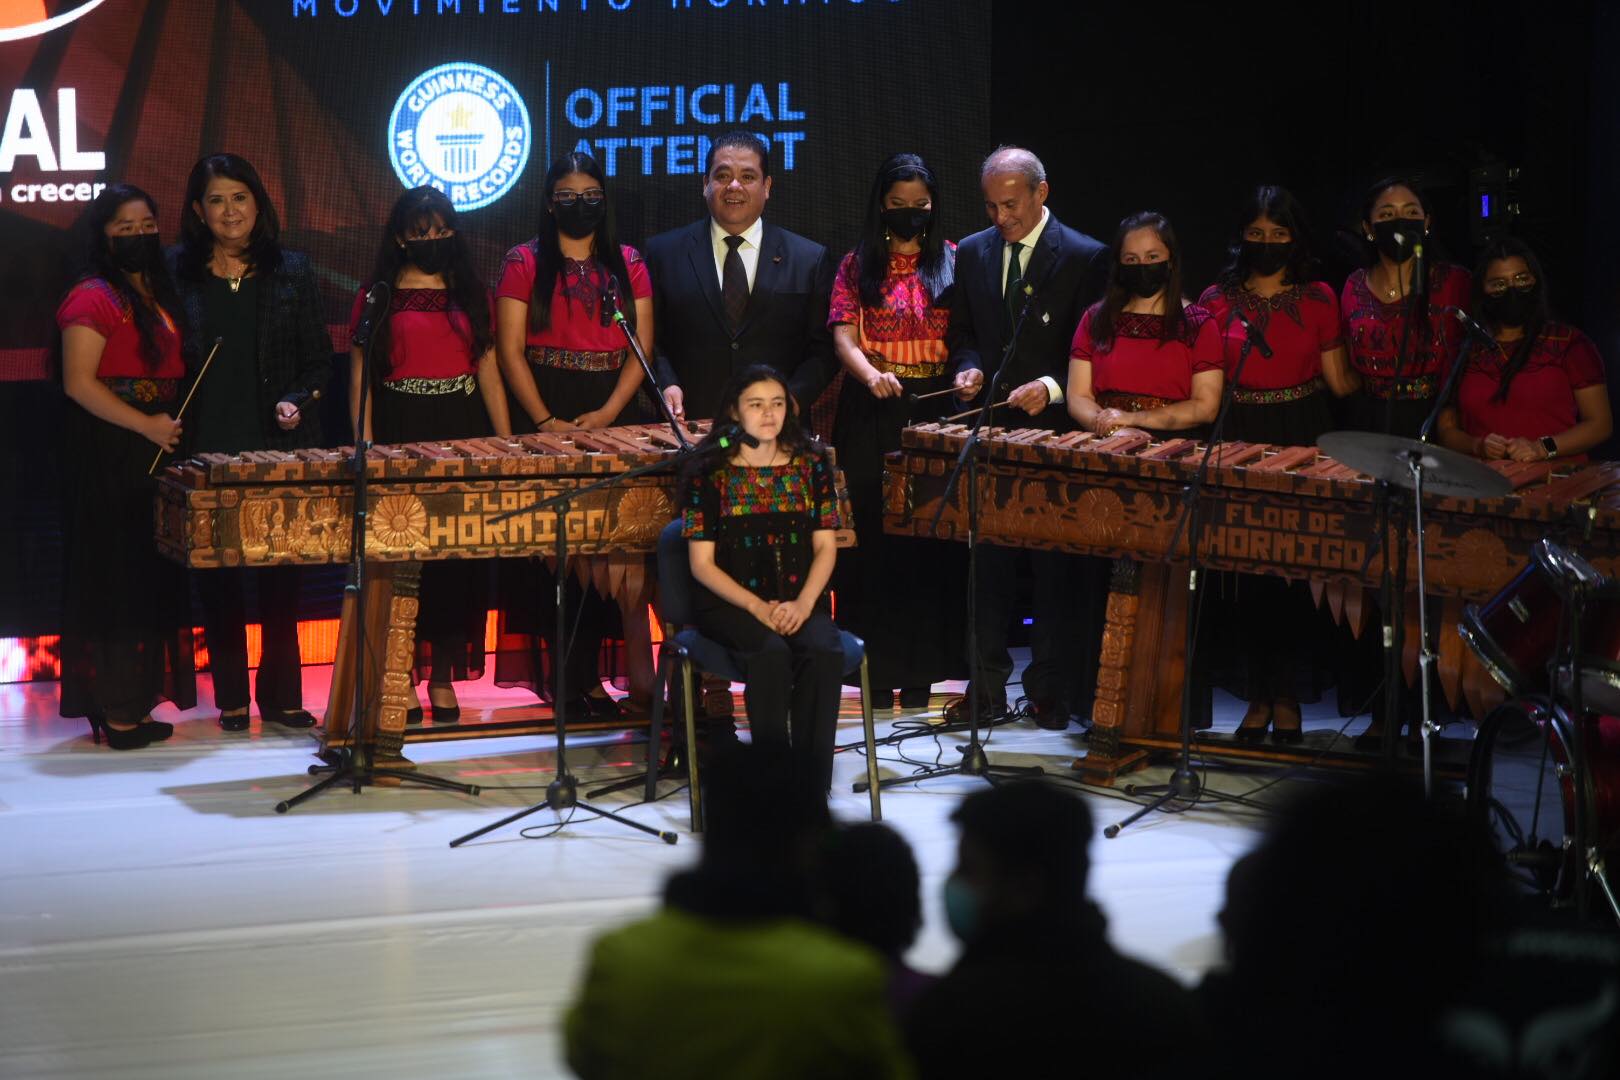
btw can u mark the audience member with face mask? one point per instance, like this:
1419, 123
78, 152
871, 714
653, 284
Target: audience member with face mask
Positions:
1035, 953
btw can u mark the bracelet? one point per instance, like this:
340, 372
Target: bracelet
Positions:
538, 424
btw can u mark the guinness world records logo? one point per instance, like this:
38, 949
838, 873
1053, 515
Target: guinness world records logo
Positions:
463, 128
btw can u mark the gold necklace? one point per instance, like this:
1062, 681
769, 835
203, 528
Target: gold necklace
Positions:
235, 281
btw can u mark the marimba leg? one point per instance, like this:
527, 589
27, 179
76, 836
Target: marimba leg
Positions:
392, 604
1106, 758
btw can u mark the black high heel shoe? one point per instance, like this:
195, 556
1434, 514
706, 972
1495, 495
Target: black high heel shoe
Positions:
443, 714
117, 738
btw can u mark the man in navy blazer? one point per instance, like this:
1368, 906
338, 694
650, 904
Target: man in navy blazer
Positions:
733, 290
1028, 261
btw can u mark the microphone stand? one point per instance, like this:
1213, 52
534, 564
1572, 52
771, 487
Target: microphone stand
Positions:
563, 792
975, 762
1184, 782
355, 763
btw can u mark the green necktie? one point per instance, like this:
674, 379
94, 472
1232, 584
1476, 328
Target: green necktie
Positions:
1015, 279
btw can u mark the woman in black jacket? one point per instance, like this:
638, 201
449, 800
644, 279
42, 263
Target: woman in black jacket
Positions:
239, 285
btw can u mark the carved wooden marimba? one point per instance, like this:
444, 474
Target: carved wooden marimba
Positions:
1287, 511
429, 500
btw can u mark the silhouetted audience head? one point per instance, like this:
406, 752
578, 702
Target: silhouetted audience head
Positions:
1363, 909
761, 828
1022, 857
869, 888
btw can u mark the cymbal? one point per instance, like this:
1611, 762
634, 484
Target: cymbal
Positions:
1445, 472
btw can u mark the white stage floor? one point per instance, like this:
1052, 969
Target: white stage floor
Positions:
158, 919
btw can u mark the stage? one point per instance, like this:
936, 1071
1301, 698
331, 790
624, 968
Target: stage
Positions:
158, 919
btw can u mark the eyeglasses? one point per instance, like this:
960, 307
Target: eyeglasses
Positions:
1497, 286
592, 197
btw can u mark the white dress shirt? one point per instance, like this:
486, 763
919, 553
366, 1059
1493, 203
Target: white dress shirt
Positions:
748, 250
1054, 390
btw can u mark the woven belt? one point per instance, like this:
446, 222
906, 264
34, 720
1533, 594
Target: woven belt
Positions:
925, 370
144, 390
461, 384
1124, 402
575, 359
1248, 396
1416, 389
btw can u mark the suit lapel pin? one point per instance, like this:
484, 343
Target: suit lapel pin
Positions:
776, 259
1046, 317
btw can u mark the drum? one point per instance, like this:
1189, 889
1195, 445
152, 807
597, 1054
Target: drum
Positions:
1516, 632
1599, 654
1546, 811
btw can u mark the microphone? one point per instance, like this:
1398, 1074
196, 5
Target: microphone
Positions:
1255, 337
1420, 279
609, 298
730, 435
1469, 325
376, 306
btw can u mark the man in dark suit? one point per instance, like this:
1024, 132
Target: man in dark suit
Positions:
1027, 258
733, 290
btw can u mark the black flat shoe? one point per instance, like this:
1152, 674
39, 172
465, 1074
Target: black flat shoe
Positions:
602, 707
156, 730
290, 718
444, 714
413, 715
1255, 721
1286, 725
117, 738
239, 722
914, 697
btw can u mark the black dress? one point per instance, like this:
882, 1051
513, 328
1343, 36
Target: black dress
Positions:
575, 362
125, 635
899, 593
430, 392
274, 348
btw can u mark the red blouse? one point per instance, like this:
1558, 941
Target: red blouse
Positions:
1541, 397
429, 337
908, 330
1300, 324
1139, 363
1374, 328
576, 322
96, 304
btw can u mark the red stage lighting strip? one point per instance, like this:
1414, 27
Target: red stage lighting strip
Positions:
37, 659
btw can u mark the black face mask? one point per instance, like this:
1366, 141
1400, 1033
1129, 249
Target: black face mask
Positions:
1144, 279
907, 222
1265, 259
1513, 308
1399, 251
579, 219
430, 256
136, 254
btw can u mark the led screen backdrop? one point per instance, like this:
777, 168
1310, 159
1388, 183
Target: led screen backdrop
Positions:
341, 103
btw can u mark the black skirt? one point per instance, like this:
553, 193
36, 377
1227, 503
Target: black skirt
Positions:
527, 587
126, 636
450, 625
1263, 635
901, 594
1362, 411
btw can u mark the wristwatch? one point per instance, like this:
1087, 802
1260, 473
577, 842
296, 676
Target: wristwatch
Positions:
1549, 444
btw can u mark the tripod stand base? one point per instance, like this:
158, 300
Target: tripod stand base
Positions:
975, 762
347, 771
563, 794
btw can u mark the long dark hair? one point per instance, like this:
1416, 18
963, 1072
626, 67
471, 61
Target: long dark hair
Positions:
1513, 248
936, 265
792, 439
197, 243
99, 264
1279, 206
548, 256
416, 211
1116, 296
